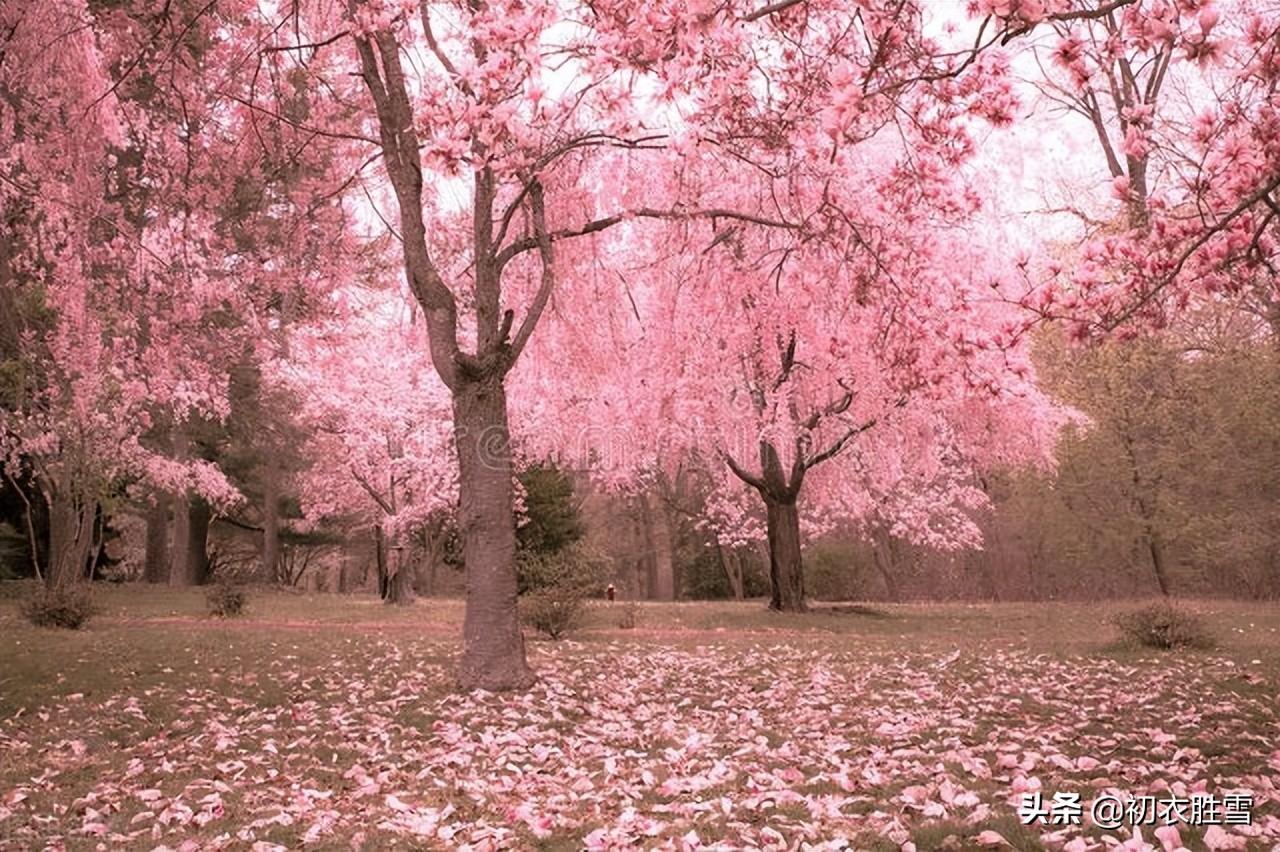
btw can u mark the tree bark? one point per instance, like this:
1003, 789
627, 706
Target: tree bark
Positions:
155, 562
493, 645
885, 559
731, 562
663, 587
190, 566
71, 538
786, 571
427, 572
1156, 547
270, 521
400, 581
380, 559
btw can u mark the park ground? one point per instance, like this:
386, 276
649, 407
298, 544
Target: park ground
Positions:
331, 722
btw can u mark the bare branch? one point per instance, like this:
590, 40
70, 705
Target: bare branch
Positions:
546, 253
772, 8
595, 226
740, 472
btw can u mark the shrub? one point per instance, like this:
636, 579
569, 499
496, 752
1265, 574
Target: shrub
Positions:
1163, 625
68, 607
576, 567
628, 615
226, 600
553, 611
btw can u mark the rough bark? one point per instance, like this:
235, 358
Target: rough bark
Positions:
780, 491
493, 646
400, 580
155, 562
400, 586
71, 538
786, 571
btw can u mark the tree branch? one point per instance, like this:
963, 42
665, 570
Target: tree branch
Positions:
751, 479
546, 253
597, 225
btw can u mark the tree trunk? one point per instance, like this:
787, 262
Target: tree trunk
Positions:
380, 559
270, 521
426, 572
664, 576
786, 571
190, 565
71, 539
344, 570
433, 573
644, 562
882, 554
1156, 548
731, 562
493, 655
400, 582
155, 563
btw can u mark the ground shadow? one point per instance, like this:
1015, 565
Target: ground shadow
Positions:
854, 609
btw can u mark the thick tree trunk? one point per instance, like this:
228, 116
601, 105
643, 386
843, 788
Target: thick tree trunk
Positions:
493, 645
71, 538
400, 582
885, 558
190, 566
642, 530
786, 571
663, 587
155, 562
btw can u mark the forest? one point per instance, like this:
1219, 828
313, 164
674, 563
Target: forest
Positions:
894, 347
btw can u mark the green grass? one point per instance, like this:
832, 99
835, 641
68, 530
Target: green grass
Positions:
305, 690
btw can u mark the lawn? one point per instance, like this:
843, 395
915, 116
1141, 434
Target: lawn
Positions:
332, 722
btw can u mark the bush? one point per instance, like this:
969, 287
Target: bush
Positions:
68, 607
226, 600
553, 611
628, 615
1163, 625
576, 567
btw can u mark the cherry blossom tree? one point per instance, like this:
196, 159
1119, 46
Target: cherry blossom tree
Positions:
864, 387
154, 276
77, 412
381, 431
536, 106
1180, 99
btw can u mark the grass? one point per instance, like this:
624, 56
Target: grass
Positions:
330, 720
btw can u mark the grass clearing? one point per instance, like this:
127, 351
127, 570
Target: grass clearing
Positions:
332, 721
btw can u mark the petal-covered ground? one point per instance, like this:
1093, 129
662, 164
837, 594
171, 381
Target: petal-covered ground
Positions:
266, 736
